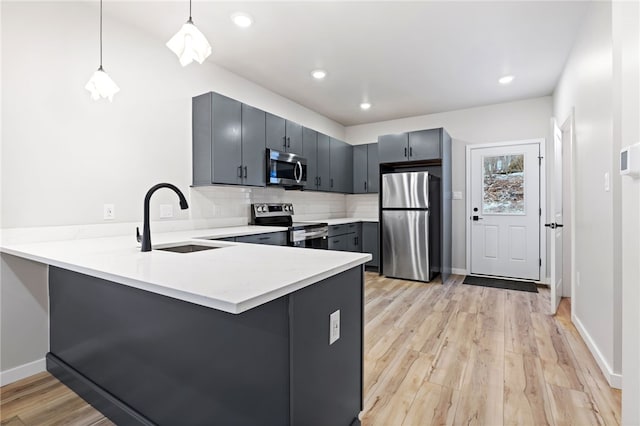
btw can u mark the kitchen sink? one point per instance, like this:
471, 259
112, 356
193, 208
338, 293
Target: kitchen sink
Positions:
187, 248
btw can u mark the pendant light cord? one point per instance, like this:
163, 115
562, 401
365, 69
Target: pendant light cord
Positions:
100, 34
190, 20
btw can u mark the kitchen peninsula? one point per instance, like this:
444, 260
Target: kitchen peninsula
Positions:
235, 334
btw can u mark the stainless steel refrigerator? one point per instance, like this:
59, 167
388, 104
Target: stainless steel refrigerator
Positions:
410, 225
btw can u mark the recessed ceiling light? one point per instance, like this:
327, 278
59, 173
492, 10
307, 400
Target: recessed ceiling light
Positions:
506, 79
365, 106
318, 74
242, 19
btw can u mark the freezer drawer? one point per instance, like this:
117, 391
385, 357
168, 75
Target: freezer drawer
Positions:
405, 190
405, 239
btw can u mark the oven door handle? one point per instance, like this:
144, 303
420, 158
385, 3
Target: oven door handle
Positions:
297, 177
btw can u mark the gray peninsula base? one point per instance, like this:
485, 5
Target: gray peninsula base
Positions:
143, 358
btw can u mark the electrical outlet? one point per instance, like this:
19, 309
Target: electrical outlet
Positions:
607, 182
166, 211
334, 327
109, 211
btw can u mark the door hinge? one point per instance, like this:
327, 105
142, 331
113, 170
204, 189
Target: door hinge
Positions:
540, 212
540, 160
540, 262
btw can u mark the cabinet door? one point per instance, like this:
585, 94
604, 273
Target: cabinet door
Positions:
360, 184
276, 134
324, 163
370, 242
393, 148
272, 238
226, 134
253, 146
373, 168
424, 145
310, 152
338, 243
341, 166
294, 137
354, 242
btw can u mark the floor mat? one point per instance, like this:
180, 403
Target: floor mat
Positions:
501, 283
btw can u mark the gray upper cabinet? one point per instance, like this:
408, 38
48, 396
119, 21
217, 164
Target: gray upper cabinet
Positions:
253, 146
324, 162
360, 173
365, 168
393, 148
310, 152
373, 168
424, 145
341, 166
283, 135
413, 146
217, 140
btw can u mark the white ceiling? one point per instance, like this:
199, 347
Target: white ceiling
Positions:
406, 58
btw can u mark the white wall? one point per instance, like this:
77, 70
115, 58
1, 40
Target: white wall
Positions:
626, 127
65, 155
586, 84
528, 119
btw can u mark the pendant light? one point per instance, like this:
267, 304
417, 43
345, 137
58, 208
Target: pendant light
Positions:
189, 43
100, 85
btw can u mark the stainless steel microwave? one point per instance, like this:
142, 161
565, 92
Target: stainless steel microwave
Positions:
286, 169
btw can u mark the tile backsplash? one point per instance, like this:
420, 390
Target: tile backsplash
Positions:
363, 206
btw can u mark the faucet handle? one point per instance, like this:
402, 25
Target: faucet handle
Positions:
138, 236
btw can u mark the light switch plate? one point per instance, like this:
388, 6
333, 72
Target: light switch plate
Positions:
457, 195
334, 327
166, 211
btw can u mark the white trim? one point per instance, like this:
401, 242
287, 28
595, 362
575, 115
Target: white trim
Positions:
542, 194
614, 379
459, 271
22, 371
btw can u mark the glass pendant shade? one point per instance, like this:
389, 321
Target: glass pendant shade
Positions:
189, 44
101, 86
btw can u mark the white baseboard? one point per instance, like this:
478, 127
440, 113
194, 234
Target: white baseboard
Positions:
614, 379
459, 271
22, 371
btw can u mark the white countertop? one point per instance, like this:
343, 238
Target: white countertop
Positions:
233, 278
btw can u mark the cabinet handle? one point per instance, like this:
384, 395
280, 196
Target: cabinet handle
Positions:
331, 182
284, 139
410, 151
319, 180
288, 142
239, 171
405, 151
245, 172
365, 186
264, 238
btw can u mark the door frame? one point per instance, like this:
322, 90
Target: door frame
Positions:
569, 125
544, 278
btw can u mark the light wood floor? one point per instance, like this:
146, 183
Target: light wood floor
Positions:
434, 354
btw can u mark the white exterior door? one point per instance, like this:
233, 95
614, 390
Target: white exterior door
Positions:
505, 211
555, 227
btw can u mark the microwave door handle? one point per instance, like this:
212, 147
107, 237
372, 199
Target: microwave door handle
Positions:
296, 176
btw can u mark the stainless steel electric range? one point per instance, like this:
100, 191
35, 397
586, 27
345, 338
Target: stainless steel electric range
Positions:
301, 234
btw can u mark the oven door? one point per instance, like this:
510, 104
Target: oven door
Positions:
286, 169
313, 237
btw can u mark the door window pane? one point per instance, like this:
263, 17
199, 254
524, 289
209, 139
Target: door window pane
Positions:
503, 185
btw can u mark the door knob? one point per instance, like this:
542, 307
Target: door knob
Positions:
476, 218
553, 225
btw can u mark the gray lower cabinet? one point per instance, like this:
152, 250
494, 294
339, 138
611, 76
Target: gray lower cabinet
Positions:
341, 166
346, 237
272, 238
228, 142
370, 242
366, 173
324, 162
310, 152
283, 135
